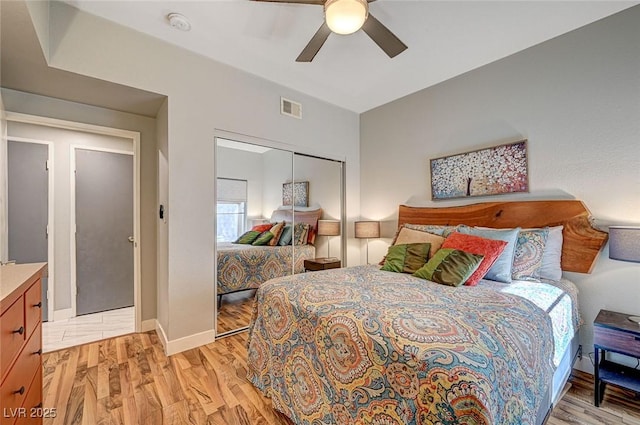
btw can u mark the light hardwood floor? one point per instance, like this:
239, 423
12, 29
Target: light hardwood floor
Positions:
129, 380
235, 311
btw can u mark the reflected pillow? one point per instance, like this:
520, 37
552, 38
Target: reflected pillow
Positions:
450, 267
277, 232
529, 254
490, 249
300, 232
286, 235
502, 269
248, 237
262, 227
263, 239
406, 258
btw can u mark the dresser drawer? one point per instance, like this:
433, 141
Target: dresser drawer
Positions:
13, 334
32, 306
15, 386
32, 403
616, 340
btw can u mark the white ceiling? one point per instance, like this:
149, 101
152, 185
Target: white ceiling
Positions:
445, 39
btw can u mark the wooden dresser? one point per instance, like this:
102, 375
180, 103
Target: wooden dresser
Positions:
21, 343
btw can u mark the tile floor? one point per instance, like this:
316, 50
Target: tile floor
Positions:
90, 327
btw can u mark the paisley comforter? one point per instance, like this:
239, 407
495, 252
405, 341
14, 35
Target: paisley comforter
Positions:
243, 267
360, 345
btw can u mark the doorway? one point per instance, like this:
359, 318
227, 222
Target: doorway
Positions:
64, 137
104, 242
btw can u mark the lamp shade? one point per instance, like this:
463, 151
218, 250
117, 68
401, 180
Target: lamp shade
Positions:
328, 228
367, 229
624, 243
345, 16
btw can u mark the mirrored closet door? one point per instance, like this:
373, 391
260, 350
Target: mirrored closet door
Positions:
270, 219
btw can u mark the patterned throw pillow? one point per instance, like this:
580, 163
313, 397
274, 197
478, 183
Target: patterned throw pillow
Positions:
450, 267
529, 254
490, 249
300, 232
406, 258
248, 237
263, 239
277, 232
502, 269
287, 234
436, 229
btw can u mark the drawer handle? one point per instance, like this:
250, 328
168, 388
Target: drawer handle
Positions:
19, 331
20, 391
39, 305
39, 352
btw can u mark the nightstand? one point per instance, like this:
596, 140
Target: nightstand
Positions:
321, 264
616, 333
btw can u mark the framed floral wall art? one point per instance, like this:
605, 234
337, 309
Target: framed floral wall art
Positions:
296, 194
490, 171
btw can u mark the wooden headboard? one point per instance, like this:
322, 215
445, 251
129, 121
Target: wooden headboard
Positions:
581, 242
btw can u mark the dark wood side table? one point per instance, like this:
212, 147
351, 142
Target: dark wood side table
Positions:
614, 332
321, 264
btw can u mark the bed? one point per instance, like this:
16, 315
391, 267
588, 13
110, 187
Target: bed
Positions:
362, 345
243, 267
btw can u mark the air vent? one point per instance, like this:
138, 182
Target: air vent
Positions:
290, 108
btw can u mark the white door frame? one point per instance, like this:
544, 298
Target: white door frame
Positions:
50, 217
134, 136
72, 228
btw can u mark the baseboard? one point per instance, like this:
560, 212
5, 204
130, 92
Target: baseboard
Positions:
179, 345
64, 314
148, 325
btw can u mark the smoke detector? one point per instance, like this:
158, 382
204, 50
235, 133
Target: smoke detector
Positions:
179, 22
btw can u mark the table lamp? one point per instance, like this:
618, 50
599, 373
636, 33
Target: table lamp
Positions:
624, 245
367, 230
328, 228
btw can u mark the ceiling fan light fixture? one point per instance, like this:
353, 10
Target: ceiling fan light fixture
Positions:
346, 16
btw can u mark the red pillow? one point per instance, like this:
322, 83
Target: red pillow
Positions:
489, 248
262, 227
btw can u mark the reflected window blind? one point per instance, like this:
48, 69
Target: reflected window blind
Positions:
232, 190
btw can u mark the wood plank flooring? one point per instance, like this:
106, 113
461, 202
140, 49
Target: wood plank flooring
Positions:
235, 311
129, 380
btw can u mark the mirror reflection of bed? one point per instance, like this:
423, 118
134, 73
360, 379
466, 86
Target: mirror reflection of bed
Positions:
258, 197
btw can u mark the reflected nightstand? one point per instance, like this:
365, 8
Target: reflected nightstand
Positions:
321, 264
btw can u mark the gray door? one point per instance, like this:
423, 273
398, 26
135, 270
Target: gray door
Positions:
28, 202
104, 231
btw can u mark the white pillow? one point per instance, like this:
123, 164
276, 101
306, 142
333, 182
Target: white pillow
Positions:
551, 257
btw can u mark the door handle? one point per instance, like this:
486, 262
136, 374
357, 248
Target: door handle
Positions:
130, 238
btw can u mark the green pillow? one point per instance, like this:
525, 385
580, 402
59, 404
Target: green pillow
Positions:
406, 258
450, 267
263, 239
248, 237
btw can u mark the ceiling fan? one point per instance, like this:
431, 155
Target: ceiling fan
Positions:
346, 17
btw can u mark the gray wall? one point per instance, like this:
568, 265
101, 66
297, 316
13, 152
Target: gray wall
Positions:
203, 95
16, 101
576, 99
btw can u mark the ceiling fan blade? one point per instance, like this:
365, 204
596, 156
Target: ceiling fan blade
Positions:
320, 2
312, 48
384, 38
